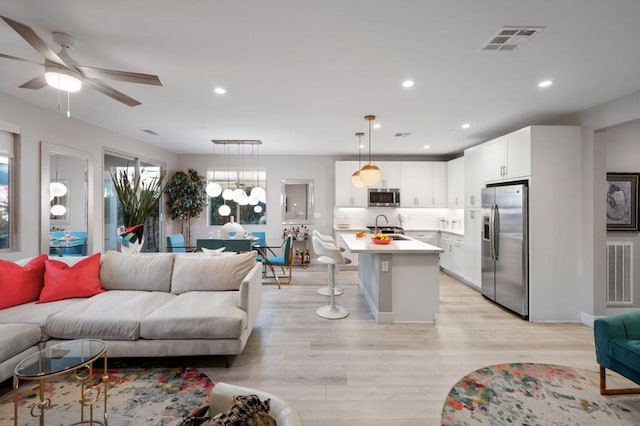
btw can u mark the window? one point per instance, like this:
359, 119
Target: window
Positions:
253, 213
6, 190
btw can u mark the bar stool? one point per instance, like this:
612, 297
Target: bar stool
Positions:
330, 255
324, 291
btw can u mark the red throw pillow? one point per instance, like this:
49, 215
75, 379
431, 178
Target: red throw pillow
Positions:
62, 281
21, 284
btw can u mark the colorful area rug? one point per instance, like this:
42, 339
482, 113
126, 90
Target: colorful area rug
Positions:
536, 394
136, 396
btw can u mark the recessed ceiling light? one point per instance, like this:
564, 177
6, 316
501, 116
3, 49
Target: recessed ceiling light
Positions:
545, 83
427, 146
377, 126
466, 125
220, 90
408, 83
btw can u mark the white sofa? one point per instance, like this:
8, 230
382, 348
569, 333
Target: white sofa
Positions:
154, 306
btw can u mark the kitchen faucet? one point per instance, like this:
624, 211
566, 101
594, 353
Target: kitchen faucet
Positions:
375, 231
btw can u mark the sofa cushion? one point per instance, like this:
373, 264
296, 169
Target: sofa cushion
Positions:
33, 313
113, 315
121, 271
62, 281
15, 338
196, 315
625, 351
20, 284
218, 273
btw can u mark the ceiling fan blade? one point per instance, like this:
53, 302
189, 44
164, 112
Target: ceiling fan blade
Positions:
131, 77
34, 40
35, 83
15, 58
111, 92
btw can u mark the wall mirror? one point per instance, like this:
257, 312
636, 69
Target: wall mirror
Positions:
296, 200
65, 199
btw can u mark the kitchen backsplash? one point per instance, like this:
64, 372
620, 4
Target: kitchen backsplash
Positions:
408, 218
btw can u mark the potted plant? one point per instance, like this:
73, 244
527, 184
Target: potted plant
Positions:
186, 198
138, 200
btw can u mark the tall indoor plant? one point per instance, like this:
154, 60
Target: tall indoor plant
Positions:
186, 198
138, 200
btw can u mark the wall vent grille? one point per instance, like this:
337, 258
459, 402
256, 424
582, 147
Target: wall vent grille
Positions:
619, 273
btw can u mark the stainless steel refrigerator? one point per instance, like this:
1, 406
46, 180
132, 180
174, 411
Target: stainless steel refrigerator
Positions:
505, 260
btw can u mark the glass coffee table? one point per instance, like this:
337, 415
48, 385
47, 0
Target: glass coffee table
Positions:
76, 357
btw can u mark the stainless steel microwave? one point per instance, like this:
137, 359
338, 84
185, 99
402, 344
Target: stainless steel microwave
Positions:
384, 197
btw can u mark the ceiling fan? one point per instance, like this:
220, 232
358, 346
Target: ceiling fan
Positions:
62, 72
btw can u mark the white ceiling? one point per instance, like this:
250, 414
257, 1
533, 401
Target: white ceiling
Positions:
301, 74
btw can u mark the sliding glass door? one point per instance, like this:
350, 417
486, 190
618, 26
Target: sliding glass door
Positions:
116, 163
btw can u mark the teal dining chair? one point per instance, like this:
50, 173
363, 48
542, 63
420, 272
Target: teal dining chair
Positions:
284, 261
175, 243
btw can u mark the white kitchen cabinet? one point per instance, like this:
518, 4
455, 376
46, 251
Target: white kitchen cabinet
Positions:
346, 194
390, 174
507, 157
438, 184
453, 258
429, 237
455, 183
423, 184
472, 246
472, 177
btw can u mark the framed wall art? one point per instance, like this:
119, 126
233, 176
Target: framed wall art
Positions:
622, 202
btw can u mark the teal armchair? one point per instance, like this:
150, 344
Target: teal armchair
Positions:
617, 341
284, 261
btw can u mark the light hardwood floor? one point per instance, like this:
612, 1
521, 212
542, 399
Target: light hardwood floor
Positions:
356, 372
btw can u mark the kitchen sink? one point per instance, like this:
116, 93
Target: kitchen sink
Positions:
399, 237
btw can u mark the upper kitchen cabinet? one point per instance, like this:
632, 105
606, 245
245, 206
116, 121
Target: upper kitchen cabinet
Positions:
346, 194
455, 183
472, 177
507, 157
390, 174
423, 184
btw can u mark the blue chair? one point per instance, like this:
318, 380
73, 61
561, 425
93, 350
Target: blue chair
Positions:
175, 243
286, 260
76, 247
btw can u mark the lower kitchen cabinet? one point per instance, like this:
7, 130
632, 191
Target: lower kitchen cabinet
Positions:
429, 237
453, 258
472, 234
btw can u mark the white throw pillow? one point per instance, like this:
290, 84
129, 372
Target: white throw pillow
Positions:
218, 273
120, 271
213, 252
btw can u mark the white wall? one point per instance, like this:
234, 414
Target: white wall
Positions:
622, 150
593, 260
37, 124
318, 168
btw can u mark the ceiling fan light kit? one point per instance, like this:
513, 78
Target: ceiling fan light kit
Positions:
62, 78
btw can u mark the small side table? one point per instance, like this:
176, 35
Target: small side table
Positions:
76, 356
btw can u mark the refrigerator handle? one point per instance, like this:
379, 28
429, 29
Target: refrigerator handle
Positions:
491, 233
496, 231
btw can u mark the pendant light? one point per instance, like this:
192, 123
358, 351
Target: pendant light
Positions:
356, 180
224, 209
57, 189
213, 188
258, 192
370, 173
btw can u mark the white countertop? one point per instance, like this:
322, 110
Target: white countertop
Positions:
365, 245
459, 232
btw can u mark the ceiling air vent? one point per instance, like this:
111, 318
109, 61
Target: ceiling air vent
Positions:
509, 38
151, 132
402, 135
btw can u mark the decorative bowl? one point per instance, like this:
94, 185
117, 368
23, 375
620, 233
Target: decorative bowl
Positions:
344, 225
379, 241
360, 234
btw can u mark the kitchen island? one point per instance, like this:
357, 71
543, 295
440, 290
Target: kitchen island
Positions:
400, 280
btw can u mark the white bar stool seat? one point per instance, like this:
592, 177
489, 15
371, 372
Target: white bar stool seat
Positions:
324, 291
330, 255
